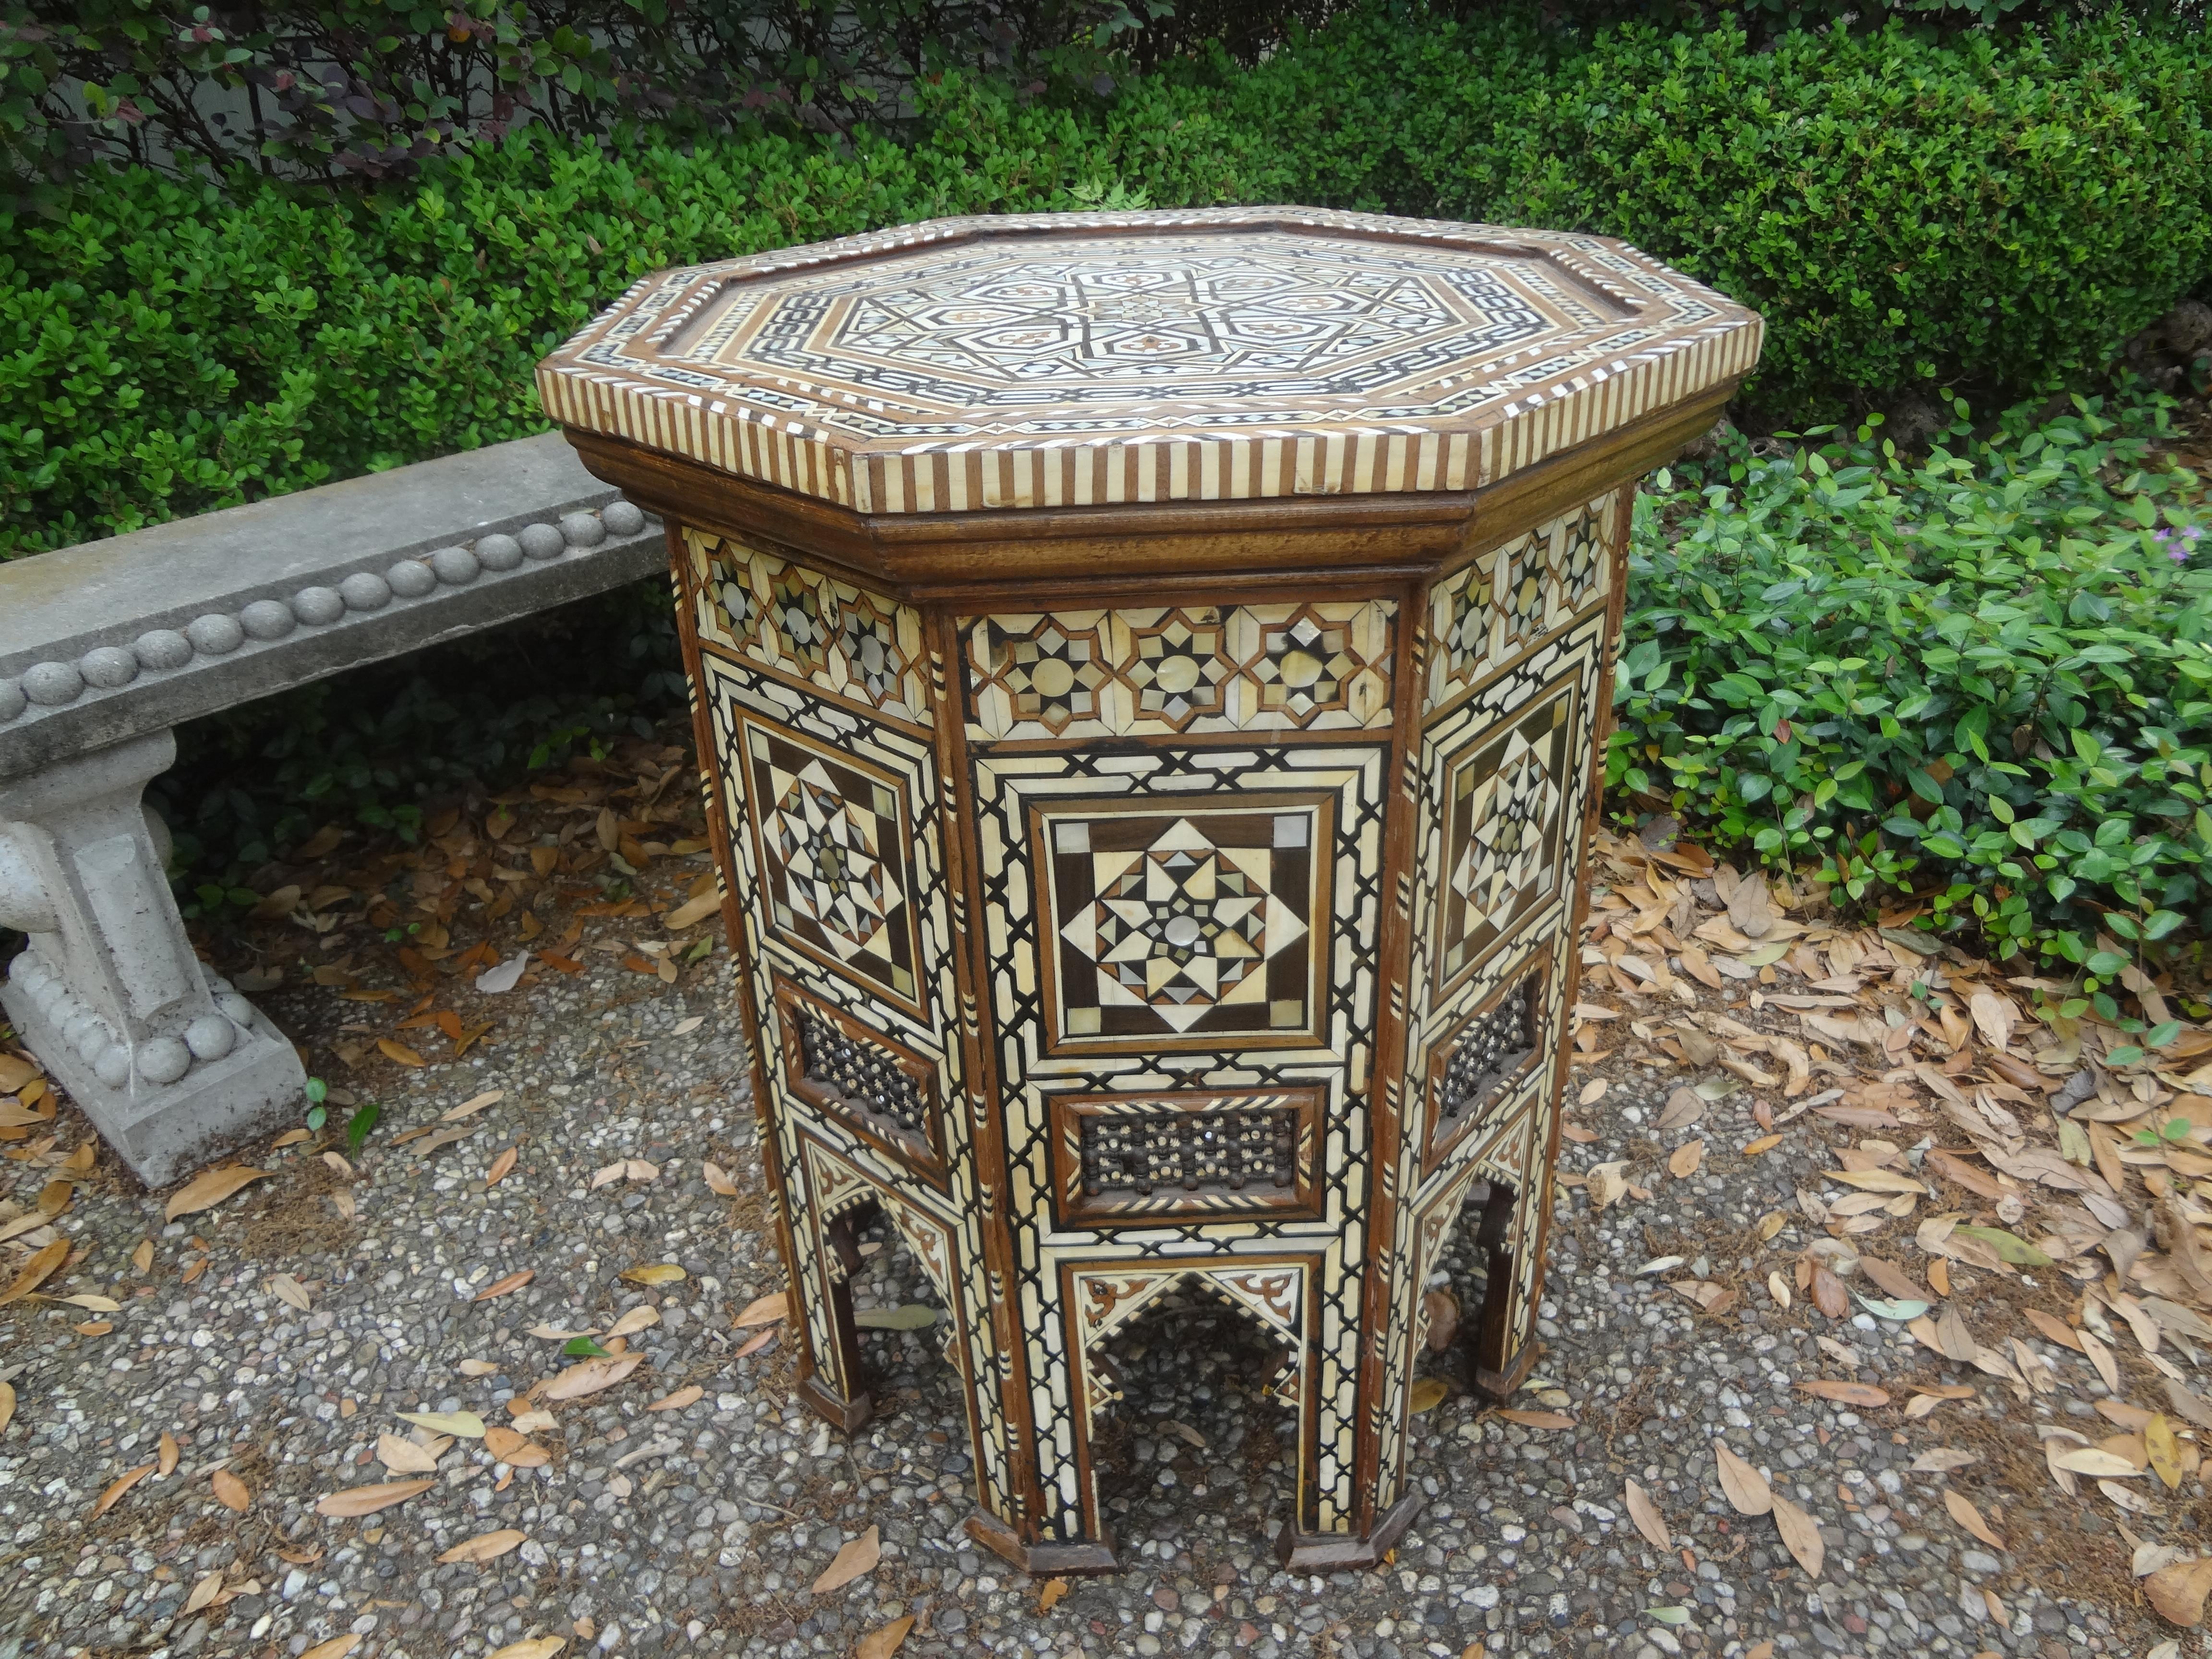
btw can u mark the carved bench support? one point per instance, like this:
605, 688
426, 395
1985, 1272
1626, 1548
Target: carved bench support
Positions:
169, 1062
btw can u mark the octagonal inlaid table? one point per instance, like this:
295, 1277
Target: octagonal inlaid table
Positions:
1151, 670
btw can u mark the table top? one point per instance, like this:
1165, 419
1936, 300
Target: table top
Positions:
1080, 360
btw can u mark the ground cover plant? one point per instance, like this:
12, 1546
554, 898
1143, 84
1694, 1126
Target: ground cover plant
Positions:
1979, 678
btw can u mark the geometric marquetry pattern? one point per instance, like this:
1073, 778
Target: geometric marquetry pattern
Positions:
857, 1072
833, 843
1487, 613
1085, 359
1505, 827
1320, 667
838, 889
1243, 868
809, 628
1187, 927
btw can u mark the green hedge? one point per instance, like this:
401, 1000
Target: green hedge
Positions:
1984, 212
1985, 677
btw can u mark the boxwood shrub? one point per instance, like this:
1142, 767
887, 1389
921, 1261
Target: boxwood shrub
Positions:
1983, 210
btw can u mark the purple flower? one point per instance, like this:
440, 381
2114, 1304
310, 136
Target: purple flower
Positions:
2180, 543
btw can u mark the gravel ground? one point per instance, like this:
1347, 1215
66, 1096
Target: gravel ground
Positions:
700, 1528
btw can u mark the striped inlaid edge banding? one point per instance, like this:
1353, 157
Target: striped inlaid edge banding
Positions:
1080, 360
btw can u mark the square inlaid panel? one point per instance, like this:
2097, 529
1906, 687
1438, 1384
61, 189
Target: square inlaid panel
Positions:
1195, 925
832, 833
1504, 823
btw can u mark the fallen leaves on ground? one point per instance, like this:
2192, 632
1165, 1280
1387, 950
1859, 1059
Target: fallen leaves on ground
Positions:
771, 1309
230, 1492
1744, 1487
883, 1644
368, 1500
857, 1557
592, 1377
113, 1493
513, 1281
487, 1547
1645, 1514
208, 1189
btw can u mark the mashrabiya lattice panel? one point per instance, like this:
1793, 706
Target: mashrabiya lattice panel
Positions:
1322, 667
1160, 781
810, 628
1481, 616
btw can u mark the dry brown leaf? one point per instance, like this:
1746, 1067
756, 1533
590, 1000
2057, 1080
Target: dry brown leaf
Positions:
883, 1644
2054, 1329
399, 1053
1746, 1488
718, 1180
1763, 1144
2164, 1450
1684, 1107
1645, 1514
473, 1104
677, 1401
203, 1592
208, 1189
1844, 1393
592, 1377
1942, 1460
513, 1281
1801, 1537
36, 1271
1053, 1590
403, 1456
288, 1290
7, 1405
1828, 1293
692, 912
858, 1557
2097, 1462
1968, 1517
755, 1342
2177, 1592
490, 1546
772, 1309
467, 1425
652, 1272
336, 1648
109, 1498
1428, 1394
230, 1492
143, 1257
502, 1167
2101, 1357
1685, 1161
537, 1647
1529, 1419
368, 1500
165, 1454
512, 1447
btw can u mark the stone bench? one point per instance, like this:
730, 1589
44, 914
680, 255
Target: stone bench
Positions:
107, 647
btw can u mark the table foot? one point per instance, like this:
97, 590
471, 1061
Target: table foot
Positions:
841, 1414
1502, 1382
1040, 1560
1328, 1551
